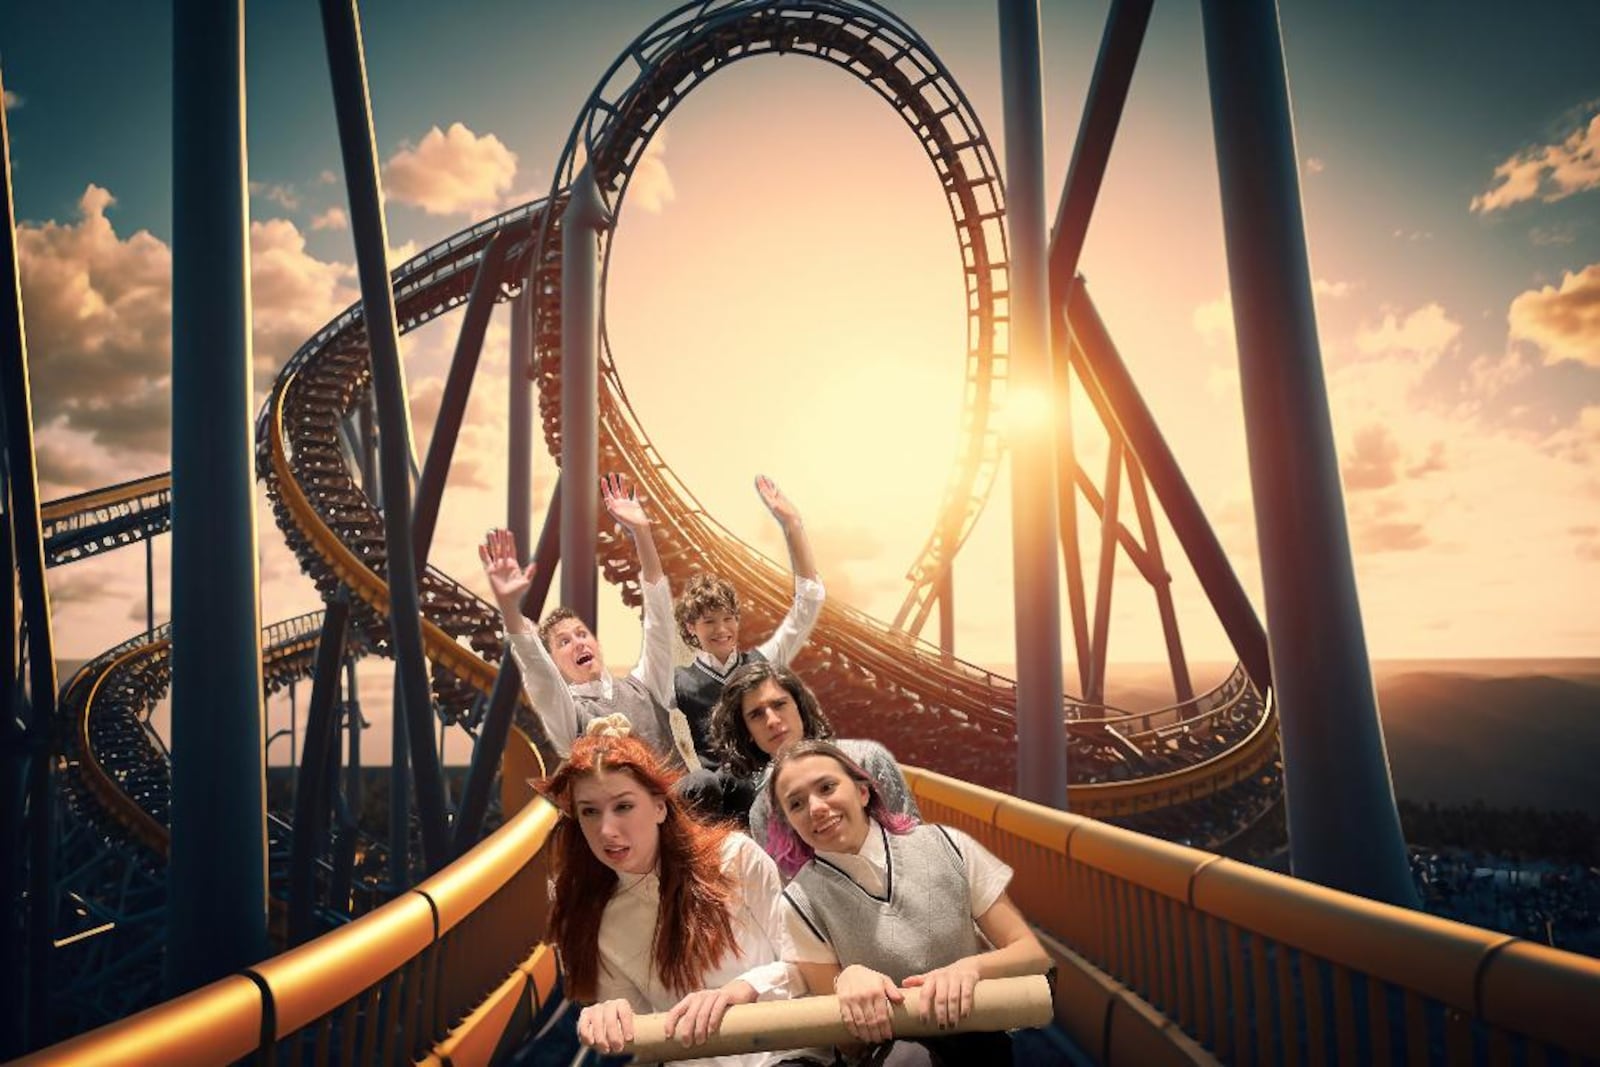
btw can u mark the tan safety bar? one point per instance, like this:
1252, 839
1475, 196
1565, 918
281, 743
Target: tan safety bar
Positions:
1245, 961
997, 1004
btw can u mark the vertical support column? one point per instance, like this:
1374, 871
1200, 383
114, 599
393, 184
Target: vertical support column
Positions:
312, 797
519, 407
1344, 830
26, 775
581, 224
149, 583
341, 29
1096, 692
1041, 732
217, 875
947, 610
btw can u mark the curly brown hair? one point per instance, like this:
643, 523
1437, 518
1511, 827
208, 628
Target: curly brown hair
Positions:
705, 593
730, 737
556, 617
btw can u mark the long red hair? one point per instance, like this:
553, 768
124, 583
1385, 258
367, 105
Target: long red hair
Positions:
694, 928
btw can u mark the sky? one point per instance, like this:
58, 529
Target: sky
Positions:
785, 290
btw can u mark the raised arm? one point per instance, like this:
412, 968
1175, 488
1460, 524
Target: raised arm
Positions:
621, 499
541, 679
654, 668
790, 636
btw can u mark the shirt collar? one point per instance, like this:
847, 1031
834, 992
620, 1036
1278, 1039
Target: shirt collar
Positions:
720, 668
600, 689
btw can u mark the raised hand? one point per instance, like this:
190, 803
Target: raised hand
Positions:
781, 507
507, 578
607, 1026
621, 499
946, 993
864, 999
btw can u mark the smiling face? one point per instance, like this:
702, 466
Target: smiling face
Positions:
576, 652
620, 819
772, 717
824, 805
717, 632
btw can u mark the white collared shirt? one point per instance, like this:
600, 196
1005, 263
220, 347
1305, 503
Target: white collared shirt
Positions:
552, 696
627, 937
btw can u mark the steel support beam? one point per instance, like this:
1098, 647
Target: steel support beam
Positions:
1041, 732
503, 700
311, 799
1344, 830
347, 68
26, 797
1111, 388
581, 224
1102, 112
217, 871
457, 389
519, 406
1161, 582
1109, 525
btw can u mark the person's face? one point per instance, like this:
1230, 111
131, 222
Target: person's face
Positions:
826, 807
717, 631
620, 819
576, 652
771, 716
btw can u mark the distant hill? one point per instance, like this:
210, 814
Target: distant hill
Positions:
1529, 740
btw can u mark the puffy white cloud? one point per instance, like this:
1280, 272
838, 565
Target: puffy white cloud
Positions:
332, 219
1546, 172
1563, 323
451, 172
1425, 334
12, 101
98, 310
292, 292
1315, 165
1374, 460
650, 188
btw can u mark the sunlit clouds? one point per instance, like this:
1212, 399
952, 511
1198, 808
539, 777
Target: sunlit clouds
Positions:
1546, 172
451, 172
1563, 322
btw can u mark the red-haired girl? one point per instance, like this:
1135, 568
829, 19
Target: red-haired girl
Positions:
653, 910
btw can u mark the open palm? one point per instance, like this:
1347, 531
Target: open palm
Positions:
621, 498
507, 577
781, 507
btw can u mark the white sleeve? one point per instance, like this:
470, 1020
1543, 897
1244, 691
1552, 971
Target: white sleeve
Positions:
763, 895
546, 689
987, 876
654, 668
805, 944
609, 986
790, 636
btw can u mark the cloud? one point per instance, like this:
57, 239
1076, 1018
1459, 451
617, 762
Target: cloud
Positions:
12, 101
332, 219
1315, 165
1564, 323
283, 195
1332, 290
98, 309
1549, 236
1374, 462
651, 186
1377, 536
454, 172
292, 293
1425, 333
1546, 172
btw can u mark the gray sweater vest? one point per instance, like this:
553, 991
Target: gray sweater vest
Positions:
698, 687
631, 698
925, 920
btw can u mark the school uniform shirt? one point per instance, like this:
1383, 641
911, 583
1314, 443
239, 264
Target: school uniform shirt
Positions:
987, 878
627, 935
